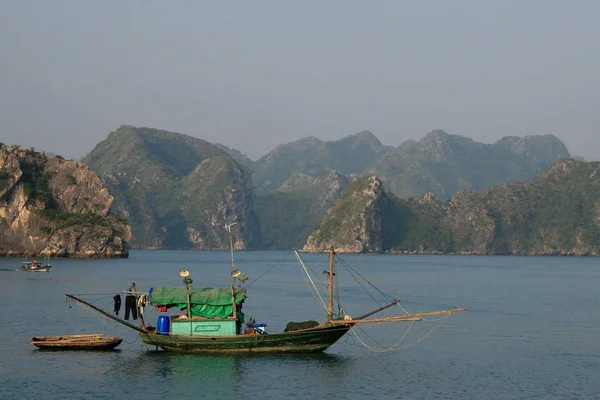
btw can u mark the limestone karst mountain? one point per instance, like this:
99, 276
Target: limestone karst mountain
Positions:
55, 208
177, 191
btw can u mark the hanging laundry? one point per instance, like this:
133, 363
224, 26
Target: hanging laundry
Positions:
117, 300
141, 303
131, 306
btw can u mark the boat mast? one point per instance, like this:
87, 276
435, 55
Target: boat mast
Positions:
331, 263
228, 227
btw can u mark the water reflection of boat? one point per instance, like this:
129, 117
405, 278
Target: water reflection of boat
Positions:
35, 265
213, 319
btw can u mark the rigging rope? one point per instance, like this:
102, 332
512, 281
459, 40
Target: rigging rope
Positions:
395, 347
317, 276
267, 271
384, 349
361, 285
349, 267
311, 281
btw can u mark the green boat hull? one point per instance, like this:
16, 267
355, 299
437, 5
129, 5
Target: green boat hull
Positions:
311, 340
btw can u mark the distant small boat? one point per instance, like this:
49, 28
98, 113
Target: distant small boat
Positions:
35, 265
76, 342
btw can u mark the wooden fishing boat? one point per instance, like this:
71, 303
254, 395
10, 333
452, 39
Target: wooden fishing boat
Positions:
92, 341
213, 322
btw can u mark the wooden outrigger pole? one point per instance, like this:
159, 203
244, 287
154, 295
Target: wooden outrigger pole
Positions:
409, 317
137, 328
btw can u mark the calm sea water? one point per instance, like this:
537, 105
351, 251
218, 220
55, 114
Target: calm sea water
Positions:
532, 330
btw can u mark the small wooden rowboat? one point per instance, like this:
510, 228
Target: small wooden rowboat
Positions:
92, 341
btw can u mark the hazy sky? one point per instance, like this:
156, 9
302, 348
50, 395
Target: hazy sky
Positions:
255, 74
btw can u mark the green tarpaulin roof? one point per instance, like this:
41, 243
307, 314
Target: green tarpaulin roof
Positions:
206, 302
214, 296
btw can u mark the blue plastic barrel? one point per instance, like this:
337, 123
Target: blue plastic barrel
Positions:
260, 329
162, 326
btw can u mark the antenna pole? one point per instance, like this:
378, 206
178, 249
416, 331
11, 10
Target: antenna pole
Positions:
189, 305
228, 227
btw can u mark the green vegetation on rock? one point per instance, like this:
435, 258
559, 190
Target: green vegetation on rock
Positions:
315, 158
444, 164
556, 213
177, 191
35, 180
287, 218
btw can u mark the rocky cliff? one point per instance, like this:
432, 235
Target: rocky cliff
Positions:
354, 223
56, 208
555, 213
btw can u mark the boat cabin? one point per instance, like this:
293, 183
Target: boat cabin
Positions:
208, 310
